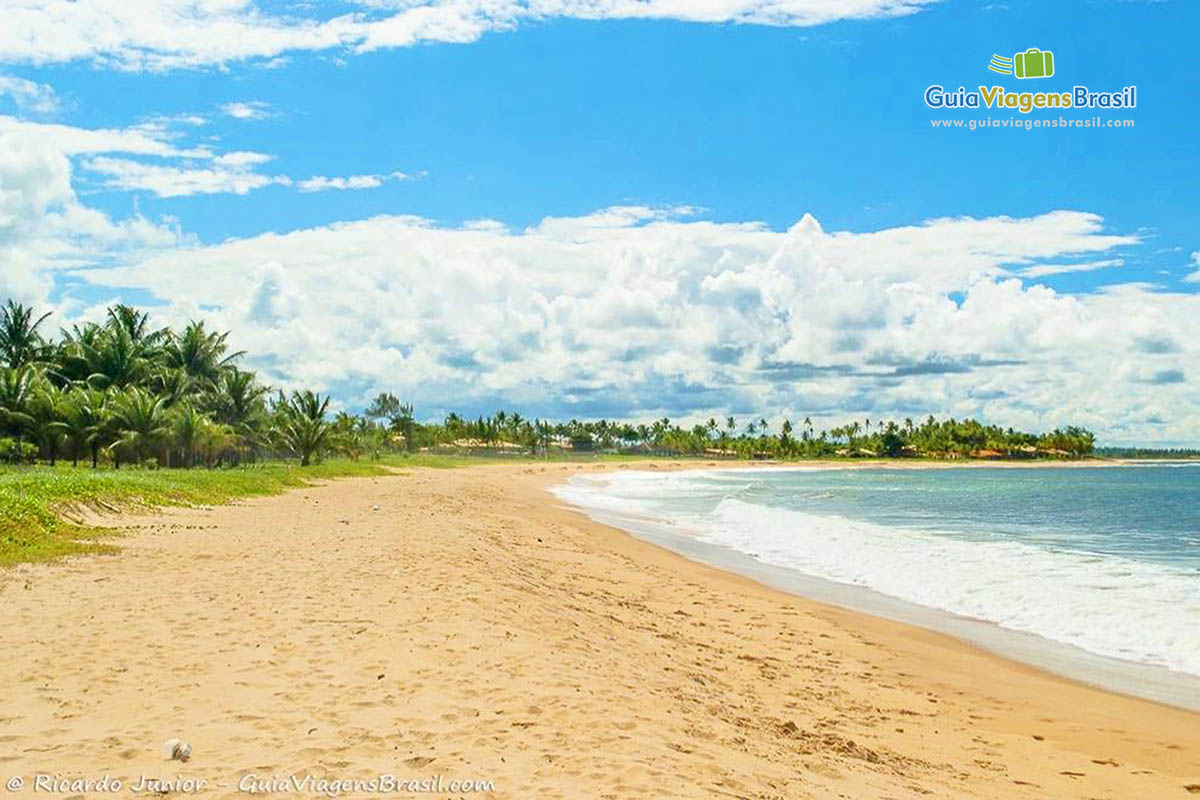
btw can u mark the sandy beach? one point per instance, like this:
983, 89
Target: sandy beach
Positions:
463, 625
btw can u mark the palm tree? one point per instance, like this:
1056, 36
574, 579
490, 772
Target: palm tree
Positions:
237, 401
20, 342
407, 424
303, 427
47, 407
17, 387
199, 353
215, 438
785, 437
173, 383
113, 358
347, 435
400, 416
544, 431
134, 323
85, 418
189, 429
140, 422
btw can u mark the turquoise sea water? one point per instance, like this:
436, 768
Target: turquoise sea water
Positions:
1105, 559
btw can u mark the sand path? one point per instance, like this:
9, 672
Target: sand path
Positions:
469, 628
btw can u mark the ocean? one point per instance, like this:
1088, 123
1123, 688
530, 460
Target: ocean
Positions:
1103, 561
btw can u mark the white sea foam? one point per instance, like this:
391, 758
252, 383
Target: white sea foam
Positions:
1112, 606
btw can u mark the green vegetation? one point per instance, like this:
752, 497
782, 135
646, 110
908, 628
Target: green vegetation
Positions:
1148, 452
35, 499
123, 392
138, 411
940, 439
40, 505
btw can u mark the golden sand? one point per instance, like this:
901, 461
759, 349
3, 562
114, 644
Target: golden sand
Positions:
470, 628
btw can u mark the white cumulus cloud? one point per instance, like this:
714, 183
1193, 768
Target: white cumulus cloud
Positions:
30, 97
321, 183
246, 110
1044, 270
220, 176
639, 312
149, 157
44, 226
629, 311
195, 33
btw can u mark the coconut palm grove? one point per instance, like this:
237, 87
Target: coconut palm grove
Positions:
123, 392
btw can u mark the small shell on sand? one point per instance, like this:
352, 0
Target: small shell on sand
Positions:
177, 750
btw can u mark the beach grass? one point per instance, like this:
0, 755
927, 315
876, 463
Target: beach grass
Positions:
37, 502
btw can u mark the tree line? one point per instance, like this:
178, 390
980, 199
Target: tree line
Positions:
122, 392
1149, 452
756, 438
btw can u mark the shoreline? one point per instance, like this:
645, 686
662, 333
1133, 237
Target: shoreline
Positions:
700, 462
1135, 679
463, 623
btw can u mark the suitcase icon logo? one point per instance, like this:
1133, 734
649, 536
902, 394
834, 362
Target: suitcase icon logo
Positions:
1033, 63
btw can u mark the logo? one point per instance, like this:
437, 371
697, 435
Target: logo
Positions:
1033, 63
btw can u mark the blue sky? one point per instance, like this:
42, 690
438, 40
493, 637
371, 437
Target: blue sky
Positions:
712, 129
